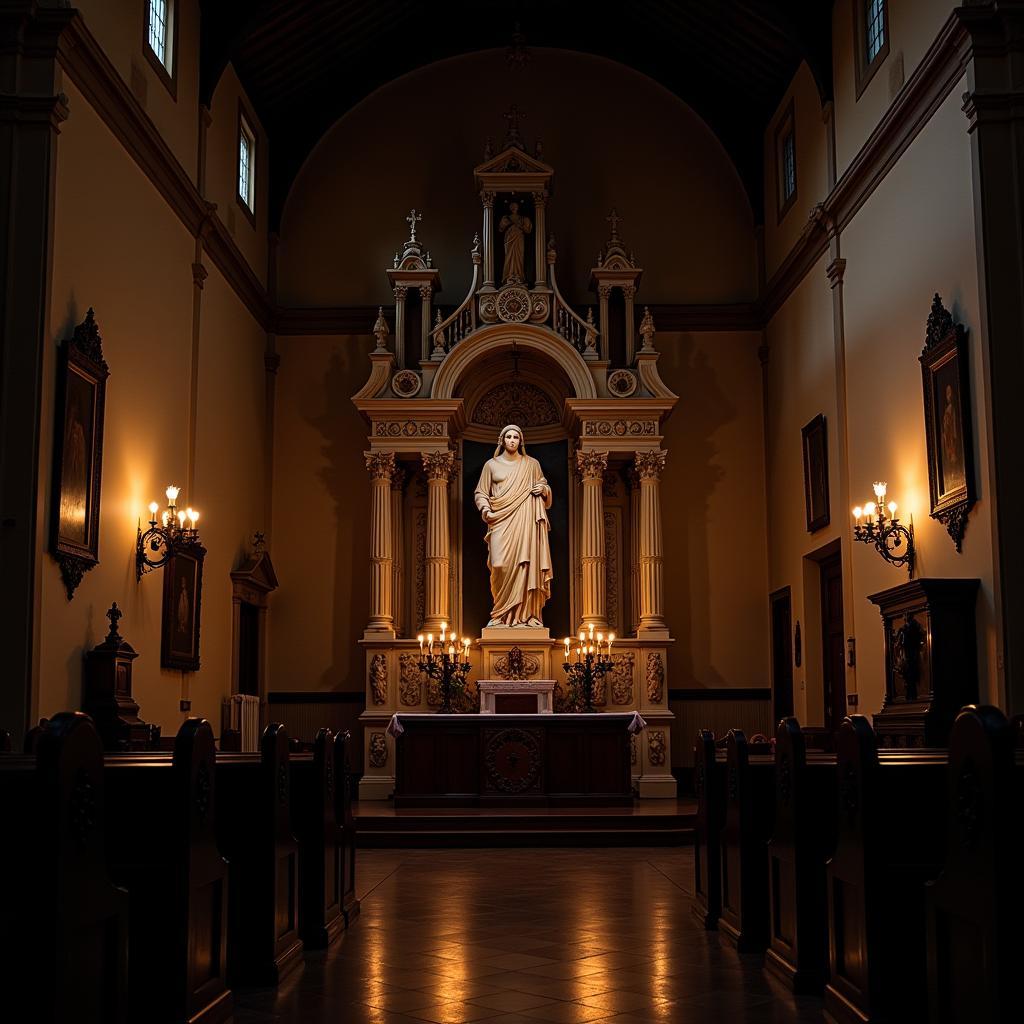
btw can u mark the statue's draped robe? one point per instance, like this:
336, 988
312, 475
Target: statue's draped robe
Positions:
518, 553
515, 228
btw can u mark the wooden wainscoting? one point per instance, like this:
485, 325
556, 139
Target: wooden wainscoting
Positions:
719, 710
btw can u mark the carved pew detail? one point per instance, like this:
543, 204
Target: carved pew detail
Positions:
802, 840
313, 781
65, 924
890, 838
346, 823
254, 832
162, 847
976, 906
707, 860
744, 838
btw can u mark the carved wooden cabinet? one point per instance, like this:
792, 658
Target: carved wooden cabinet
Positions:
931, 660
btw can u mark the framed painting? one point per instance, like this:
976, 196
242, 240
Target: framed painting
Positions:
815, 442
182, 605
947, 418
78, 453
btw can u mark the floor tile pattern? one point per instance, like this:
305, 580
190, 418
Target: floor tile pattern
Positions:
564, 936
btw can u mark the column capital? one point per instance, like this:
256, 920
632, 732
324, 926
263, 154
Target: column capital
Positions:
604, 291
650, 464
400, 290
629, 290
380, 465
591, 465
539, 198
835, 271
426, 290
438, 465
487, 199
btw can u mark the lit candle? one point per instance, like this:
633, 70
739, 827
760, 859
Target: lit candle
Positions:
566, 648
172, 495
430, 643
451, 650
465, 647
444, 629
420, 638
600, 640
611, 637
194, 516
181, 520
152, 511
857, 513
879, 489
591, 631
892, 509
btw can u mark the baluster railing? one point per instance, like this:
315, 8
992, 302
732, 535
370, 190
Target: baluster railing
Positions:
581, 334
448, 332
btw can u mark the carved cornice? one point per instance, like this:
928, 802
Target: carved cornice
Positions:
591, 465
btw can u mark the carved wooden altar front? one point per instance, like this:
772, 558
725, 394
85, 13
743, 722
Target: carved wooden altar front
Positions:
515, 351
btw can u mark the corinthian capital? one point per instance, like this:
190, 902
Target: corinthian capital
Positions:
649, 465
591, 465
438, 465
380, 465
487, 198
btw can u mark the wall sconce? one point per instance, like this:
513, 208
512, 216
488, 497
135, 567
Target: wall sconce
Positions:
892, 540
175, 529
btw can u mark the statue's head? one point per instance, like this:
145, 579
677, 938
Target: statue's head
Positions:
513, 207
511, 440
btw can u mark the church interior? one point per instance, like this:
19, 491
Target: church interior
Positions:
532, 441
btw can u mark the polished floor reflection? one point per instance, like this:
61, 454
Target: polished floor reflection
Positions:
515, 936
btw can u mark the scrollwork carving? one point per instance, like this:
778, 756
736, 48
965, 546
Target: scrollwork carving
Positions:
378, 750
656, 747
516, 665
409, 686
516, 402
622, 677
655, 677
379, 678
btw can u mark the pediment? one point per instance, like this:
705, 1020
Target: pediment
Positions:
257, 572
513, 160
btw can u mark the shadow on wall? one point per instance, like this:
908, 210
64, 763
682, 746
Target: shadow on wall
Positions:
692, 475
344, 477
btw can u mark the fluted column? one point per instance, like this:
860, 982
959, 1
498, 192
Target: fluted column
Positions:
426, 291
400, 291
381, 466
487, 199
594, 604
540, 239
397, 550
604, 292
438, 467
629, 293
649, 466
634, 549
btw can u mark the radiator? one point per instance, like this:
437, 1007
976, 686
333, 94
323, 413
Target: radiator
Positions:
244, 716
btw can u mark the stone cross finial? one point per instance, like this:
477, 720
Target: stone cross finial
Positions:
512, 118
412, 221
613, 218
114, 614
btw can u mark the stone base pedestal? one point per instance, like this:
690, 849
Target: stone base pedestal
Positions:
541, 690
514, 635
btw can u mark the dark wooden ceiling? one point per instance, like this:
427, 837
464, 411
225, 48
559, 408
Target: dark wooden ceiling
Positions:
304, 63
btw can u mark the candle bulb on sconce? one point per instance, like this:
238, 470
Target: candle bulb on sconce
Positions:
877, 524
175, 530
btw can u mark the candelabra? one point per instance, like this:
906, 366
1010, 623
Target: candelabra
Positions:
445, 665
892, 540
175, 529
590, 666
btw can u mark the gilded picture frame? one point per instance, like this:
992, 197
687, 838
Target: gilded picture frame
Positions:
80, 399
948, 423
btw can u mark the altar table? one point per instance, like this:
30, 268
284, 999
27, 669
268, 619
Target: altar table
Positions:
527, 760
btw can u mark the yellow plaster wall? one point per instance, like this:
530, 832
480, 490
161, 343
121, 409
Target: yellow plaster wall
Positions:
222, 171
613, 136
118, 26
811, 168
913, 26
119, 248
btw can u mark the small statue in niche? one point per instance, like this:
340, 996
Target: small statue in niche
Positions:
515, 226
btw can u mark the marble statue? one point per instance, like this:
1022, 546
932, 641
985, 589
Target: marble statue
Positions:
513, 498
515, 226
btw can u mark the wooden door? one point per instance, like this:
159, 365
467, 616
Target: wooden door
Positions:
832, 641
782, 654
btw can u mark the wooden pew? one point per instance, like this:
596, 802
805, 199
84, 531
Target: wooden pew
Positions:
709, 783
63, 925
802, 840
162, 847
890, 841
254, 834
321, 853
343, 754
976, 906
749, 809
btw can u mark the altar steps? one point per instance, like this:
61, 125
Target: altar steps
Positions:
646, 823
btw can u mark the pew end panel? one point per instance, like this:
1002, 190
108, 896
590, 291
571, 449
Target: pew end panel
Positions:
709, 784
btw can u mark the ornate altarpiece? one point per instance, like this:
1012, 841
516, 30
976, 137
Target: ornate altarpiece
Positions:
514, 350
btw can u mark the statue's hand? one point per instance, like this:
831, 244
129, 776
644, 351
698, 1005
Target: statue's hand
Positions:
538, 490
487, 514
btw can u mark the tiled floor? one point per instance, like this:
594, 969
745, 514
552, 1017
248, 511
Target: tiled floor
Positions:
526, 937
